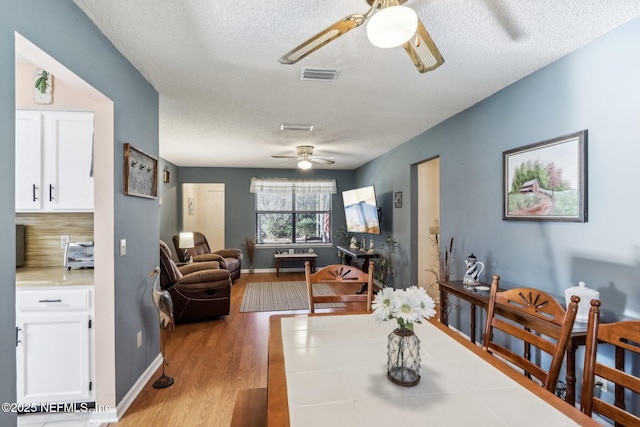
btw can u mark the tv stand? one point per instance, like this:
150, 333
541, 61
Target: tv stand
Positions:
351, 254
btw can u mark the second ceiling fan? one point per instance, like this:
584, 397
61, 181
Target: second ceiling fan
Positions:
390, 25
305, 157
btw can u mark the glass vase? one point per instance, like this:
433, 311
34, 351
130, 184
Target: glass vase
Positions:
403, 352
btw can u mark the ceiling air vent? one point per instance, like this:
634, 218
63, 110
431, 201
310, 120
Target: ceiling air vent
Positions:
319, 74
291, 126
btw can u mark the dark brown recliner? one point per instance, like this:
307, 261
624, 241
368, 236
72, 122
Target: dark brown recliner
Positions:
229, 259
199, 291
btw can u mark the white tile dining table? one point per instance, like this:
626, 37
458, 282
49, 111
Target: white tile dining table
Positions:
330, 370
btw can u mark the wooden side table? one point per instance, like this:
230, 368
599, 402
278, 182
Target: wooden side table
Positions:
295, 257
355, 253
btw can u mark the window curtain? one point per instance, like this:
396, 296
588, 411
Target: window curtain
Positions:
284, 185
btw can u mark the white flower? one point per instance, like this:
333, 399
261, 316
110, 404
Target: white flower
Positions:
407, 306
382, 304
427, 304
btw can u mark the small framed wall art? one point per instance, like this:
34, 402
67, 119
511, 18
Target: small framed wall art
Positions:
140, 173
397, 199
547, 181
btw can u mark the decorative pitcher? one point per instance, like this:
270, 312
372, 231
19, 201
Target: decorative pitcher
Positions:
474, 268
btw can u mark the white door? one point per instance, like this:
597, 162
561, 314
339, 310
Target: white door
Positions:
203, 211
429, 216
28, 160
52, 358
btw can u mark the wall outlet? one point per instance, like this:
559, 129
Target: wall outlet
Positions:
139, 339
600, 383
64, 241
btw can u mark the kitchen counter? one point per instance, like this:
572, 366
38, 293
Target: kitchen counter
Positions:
30, 277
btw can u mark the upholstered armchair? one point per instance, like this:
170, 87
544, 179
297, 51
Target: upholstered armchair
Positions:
199, 290
229, 259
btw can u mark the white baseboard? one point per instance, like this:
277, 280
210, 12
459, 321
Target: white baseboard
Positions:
114, 414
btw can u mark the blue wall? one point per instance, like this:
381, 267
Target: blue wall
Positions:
595, 88
60, 29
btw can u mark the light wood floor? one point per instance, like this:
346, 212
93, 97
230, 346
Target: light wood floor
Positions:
210, 362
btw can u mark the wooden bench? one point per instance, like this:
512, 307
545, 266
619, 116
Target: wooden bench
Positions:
250, 408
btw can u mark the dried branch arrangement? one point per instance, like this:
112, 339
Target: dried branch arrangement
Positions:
249, 245
443, 258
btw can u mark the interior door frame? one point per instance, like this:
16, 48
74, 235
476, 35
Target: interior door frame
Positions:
422, 223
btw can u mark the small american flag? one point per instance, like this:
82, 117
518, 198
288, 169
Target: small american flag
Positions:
327, 227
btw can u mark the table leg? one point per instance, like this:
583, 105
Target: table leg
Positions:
444, 302
277, 268
571, 373
312, 262
365, 269
473, 323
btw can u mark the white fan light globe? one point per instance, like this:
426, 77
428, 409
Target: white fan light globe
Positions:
392, 27
304, 164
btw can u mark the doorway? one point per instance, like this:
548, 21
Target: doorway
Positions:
428, 224
203, 211
104, 220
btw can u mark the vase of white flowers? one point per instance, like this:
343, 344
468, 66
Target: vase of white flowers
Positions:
406, 306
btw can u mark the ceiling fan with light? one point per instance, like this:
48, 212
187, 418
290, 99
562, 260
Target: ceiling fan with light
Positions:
305, 157
390, 25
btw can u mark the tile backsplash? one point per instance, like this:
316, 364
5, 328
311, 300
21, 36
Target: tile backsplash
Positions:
43, 231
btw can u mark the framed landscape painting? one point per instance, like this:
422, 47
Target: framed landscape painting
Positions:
547, 181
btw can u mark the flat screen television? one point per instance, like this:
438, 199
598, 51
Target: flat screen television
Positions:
361, 210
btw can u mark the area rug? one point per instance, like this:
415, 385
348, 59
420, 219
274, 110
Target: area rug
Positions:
280, 296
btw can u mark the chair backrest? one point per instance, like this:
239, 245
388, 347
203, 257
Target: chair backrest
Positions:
535, 319
337, 274
169, 273
624, 337
201, 246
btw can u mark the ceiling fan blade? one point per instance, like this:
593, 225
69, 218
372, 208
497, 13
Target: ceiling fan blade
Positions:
333, 32
505, 18
284, 157
323, 161
423, 51
322, 38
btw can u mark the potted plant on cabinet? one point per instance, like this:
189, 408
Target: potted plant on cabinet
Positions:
384, 268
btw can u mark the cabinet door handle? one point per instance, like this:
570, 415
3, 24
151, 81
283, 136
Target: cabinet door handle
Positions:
50, 193
50, 300
17, 339
34, 192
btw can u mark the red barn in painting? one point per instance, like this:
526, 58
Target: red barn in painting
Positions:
532, 186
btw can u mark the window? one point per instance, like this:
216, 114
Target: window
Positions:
290, 211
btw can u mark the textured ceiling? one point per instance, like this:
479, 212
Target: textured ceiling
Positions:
223, 95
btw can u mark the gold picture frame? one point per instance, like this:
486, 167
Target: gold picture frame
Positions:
140, 173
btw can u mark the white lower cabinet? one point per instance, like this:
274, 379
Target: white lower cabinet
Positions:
53, 345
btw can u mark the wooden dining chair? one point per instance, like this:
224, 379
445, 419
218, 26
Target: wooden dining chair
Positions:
624, 338
535, 319
337, 274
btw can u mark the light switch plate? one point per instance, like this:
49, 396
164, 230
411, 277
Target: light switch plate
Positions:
123, 247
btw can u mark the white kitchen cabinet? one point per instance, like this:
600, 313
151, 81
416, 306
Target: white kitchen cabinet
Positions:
54, 153
53, 345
